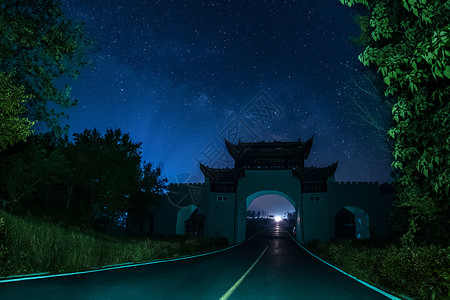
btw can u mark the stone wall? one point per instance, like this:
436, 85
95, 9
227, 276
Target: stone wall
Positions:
316, 211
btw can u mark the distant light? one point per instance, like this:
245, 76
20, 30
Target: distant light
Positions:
277, 218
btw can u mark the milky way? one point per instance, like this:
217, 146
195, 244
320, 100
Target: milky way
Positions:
182, 75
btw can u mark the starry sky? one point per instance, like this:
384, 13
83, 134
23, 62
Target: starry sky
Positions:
180, 76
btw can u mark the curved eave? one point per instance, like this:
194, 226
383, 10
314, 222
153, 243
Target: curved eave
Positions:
205, 170
210, 173
307, 147
220, 175
316, 173
232, 149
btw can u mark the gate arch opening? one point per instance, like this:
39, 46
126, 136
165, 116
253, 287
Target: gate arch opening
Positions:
268, 192
269, 208
351, 222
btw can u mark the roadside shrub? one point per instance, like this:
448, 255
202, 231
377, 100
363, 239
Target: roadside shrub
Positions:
36, 246
422, 272
3, 249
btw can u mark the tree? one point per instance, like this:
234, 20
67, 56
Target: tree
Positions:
94, 179
149, 194
371, 108
107, 170
29, 170
38, 45
409, 43
13, 126
110, 177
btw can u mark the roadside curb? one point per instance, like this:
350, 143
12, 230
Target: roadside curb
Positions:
386, 293
43, 275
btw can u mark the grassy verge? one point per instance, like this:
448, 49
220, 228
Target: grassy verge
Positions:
29, 245
421, 272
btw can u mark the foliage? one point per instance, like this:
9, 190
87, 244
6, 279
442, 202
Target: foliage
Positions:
13, 126
410, 46
150, 192
39, 44
29, 170
370, 107
108, 169
3, 249
93, 179
421, 272
39, 246
364, 38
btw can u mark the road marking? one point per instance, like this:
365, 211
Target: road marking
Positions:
235, 286
386, 294
115, 267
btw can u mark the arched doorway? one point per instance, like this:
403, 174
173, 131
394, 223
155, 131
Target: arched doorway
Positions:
266, 168
195, 225
190, 221
277, 205
351, 222
269, 210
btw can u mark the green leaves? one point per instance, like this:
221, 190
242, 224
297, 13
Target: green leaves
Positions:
109, 168
447, 71
382, 26
353, 2
413, 58
39, 44
90, 176
14, 127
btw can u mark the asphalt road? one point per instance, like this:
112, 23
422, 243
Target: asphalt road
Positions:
269, 266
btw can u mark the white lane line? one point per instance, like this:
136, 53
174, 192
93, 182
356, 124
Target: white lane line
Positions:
115, 267
386, 294
235, 286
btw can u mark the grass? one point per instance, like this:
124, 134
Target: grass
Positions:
29, 245
421, 272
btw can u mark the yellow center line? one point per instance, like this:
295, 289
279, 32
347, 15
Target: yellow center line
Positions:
235, 286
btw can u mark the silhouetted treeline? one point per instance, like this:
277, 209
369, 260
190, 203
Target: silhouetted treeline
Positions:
90, 180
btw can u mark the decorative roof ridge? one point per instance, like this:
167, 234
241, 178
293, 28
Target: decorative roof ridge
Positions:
308, 145
216, 172
185, 183
233, 146
316, 172
232, 149
221, 175
333, 165
215, 169
356, 182
240, 143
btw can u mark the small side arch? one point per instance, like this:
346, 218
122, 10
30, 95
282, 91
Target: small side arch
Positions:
185, 222
351, 222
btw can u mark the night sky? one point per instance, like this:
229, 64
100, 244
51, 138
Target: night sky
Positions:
182, 75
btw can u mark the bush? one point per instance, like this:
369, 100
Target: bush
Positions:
422, 272
3, 249
38, 246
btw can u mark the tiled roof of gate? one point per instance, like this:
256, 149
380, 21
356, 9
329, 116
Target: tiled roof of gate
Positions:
314, 173
269, 150
220, 175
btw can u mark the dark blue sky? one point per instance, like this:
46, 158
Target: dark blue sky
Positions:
181, 75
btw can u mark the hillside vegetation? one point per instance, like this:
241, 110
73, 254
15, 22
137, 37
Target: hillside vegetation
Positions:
29, 245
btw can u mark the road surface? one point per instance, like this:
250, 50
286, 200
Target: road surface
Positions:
269, 266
